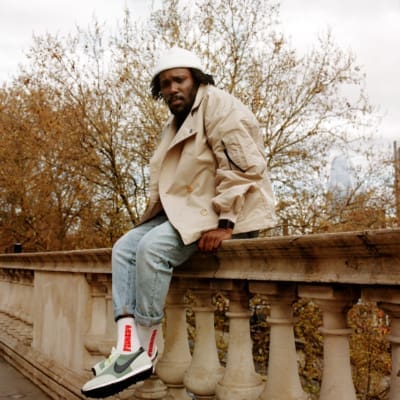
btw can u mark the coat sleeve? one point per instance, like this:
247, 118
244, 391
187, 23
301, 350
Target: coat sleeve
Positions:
234, 136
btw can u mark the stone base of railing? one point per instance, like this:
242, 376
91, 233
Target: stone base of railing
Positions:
56, 317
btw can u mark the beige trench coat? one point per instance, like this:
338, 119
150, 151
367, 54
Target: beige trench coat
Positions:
213, 168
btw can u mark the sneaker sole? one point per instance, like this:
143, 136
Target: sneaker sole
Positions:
116, 387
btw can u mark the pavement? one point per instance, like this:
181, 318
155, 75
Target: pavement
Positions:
13, 385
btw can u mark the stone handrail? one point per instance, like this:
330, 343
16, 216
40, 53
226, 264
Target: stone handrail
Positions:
56, 315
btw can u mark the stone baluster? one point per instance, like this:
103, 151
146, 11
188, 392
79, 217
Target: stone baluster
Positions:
283, 381
153, 388
240, 381
337, 380
176, 357
393, 310
389, 301
205, 370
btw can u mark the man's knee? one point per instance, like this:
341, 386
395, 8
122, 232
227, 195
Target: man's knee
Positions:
146, 248
117, 247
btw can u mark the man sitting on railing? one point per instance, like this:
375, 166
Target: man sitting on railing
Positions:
208, 183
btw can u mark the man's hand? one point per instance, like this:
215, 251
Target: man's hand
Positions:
211, 240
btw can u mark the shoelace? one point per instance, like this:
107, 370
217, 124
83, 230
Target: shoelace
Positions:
109, 359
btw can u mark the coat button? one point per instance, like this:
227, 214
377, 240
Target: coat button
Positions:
203, 212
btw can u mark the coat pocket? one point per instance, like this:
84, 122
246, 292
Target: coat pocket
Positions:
241, 152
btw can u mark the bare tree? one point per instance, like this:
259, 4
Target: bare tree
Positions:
79, 121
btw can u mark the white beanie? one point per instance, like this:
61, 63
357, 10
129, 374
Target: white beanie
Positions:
177, 57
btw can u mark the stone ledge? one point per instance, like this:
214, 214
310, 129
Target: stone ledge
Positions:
361, 258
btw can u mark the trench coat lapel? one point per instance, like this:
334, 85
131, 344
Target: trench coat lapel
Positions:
188, 129
184, 132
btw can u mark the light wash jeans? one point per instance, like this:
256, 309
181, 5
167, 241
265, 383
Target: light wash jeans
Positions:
142, 264
143, 261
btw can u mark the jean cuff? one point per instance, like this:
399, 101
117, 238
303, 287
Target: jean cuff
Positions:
122, 311
147, 321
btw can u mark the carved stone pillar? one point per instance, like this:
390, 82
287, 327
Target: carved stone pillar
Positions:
393, 310
240, 381
153, 388
176, 357
337, 380
389, 300
283, 381
205, 370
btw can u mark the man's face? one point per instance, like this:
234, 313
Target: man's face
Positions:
178, 89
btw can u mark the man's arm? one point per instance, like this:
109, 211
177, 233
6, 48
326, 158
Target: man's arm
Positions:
233, 135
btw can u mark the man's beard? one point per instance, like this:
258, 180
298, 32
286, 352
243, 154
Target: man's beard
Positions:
183, 108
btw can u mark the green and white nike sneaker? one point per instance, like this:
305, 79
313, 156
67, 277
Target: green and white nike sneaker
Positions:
99, 367
118, 371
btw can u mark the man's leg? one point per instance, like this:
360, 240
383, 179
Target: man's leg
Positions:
159, 251
129, 362
124, 267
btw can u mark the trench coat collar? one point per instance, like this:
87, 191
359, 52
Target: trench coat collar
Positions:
187, 129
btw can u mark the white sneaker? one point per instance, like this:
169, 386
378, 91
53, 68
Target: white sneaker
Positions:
117, 372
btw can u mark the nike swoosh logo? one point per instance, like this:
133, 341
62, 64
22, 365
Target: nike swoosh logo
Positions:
119, 368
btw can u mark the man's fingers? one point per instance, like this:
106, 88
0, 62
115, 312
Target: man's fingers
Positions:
210, 241
201, 243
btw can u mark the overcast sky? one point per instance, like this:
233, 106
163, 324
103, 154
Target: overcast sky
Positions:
370, 28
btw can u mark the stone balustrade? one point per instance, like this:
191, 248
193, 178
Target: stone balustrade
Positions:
56, 317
